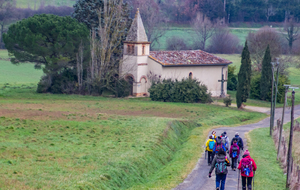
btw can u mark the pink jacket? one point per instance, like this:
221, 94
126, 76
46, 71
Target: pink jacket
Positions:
238, 150
254, 167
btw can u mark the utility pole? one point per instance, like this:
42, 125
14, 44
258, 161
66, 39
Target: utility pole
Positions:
271, 111
282, 119
289, 158
273, 102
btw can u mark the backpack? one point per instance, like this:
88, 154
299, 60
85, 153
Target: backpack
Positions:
224, 141
234, 152
221, 166
246, 166
211, 145
218, 147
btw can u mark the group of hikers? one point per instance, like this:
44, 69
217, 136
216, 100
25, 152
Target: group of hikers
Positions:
217, 149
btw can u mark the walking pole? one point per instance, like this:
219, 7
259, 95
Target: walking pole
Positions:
253, 181
238, 180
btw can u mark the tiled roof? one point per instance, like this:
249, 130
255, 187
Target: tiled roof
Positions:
137, 31
186, 58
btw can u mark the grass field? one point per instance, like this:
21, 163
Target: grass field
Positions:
269, 175
36, 3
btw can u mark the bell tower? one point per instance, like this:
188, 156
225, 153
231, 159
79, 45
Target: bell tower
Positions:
135, 55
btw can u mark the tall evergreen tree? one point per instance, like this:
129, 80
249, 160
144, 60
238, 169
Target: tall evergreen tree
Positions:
244, 78
266, 75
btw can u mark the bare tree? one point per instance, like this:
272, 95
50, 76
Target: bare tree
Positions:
224, 42
176, 43
204, 30
7, 14
292, 29
270, 11
258, 43
154, 21
104, 47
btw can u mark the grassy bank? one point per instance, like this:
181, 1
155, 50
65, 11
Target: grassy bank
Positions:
269, 175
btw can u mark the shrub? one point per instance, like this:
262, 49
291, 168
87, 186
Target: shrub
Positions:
186, 90
232, 78
255, 88
227, 101
224, 42
176, 43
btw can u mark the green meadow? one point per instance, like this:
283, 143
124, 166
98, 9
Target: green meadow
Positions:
37, 3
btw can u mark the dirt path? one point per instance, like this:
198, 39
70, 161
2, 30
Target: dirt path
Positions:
198, 179
251, 108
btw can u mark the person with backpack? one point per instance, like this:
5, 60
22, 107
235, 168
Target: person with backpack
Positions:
209, 148
220, 163
219, 145
239, 142
225, 140
247, 167
213, 133
234, 155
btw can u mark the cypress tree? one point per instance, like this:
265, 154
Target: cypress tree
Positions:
244, 78
266, 75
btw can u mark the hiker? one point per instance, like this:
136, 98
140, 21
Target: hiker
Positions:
239, 142
225, 140
234, 154
213, 133
209, 149
218, 145
220, 163
247, 167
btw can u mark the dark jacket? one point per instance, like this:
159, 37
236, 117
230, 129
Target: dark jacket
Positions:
219, 156
239, 141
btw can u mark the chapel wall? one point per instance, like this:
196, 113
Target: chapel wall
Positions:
209, 75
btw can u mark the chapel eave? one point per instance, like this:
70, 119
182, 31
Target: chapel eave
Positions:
187, 65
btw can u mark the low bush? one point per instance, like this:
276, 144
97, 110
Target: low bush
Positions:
227, 101
186, 90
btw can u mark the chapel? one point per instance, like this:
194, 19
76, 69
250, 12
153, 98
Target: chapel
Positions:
140, 65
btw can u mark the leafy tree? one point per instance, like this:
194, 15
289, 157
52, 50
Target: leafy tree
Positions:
48, 40
266, 75
244, 78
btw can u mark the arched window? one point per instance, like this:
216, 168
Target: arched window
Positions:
143, 50
190, 75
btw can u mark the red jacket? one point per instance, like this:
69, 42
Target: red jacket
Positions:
254, 167
238, 150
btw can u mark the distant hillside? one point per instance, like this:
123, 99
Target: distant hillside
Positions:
34, 4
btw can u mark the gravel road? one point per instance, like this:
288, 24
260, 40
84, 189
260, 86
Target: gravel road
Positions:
198, 179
